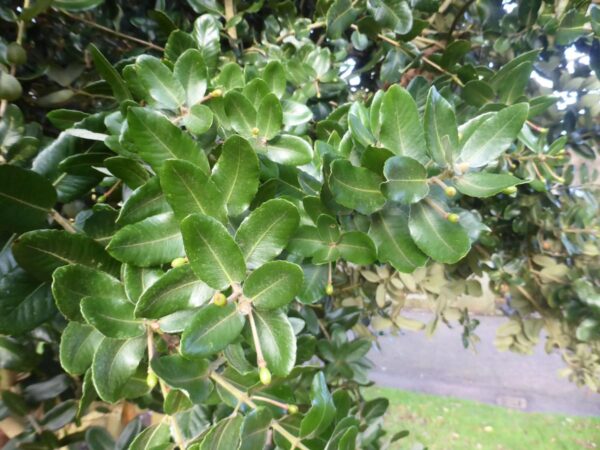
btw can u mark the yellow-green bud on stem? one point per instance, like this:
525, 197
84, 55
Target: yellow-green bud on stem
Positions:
292, 409
151, 379
453, 218
178, 262
216, 93
255, 131
450, 191
219, 299
510, 190
329, 289
265, 376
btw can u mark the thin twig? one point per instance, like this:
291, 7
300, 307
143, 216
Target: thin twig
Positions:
62, 221
111, 31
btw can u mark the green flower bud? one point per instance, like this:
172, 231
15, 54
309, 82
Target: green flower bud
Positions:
292, 409
178, 262
151, 379
265, 376
329, 289
219, 299
453, 218
450, 191
510, 190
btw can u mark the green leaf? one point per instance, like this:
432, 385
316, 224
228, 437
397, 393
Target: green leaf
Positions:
24, 303
71, 283
437, 237
340, 16
112, 317
78, 344
231, 77
274, 76
288, 150
407, 180
359, 124
40, 252
356, 247
190, 376
356, 187
25, 199
266, 231
274, 284
493, 136
322, 410
211, 330
146, 201
401, 130
156, 139
178, 42
483, 184
305, 242
160, 82
441, 133
214, 256
255, 429
277, 340
392, 14
206, 33
477, 93
515, 85
225, 435
131, 172
155, 240
177, 290
138, 279
190, 70
76, 5
153, 437
65, 118
110, 74
255, 91
394, 244
189, 190
236, 174
240, 112
315, 282
269, 117
199, 119
115, 362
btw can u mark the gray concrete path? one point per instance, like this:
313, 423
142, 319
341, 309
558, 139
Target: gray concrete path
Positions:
441, 366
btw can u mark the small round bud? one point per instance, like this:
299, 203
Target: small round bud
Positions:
510, 190
292, 409
450, 191
178, 262
453, 218
219, 299
329, 289
15, 54
101, 199
255, 131
265, 376
151, 379
216, 93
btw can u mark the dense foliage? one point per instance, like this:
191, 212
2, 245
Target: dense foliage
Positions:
211, 210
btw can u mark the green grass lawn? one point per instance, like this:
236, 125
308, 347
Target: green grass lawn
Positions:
445, 423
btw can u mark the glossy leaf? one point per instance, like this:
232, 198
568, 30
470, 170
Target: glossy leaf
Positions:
493, 136
177, 290
255, 429
71, 283
437, 237
394, 243
441, 133
240, 112
356, 187
155, 240
115, 362
340, 16
288, 150
190, 70
25, 199
269, 117
189, 190
322, 410
78, 344
146, 201
190, 376
277, 340
356, 247
214, 256
156, 139
407, 180
236, 174
152, 437
224, 435
266, 231
401, 130
40, 252
211, 330
112, 317
110, 74
484, 184
160, 82
274, 284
